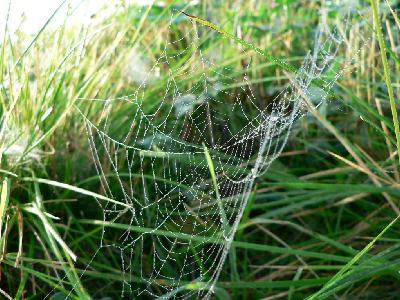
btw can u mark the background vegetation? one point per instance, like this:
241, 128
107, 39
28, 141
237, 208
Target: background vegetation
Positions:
321, 221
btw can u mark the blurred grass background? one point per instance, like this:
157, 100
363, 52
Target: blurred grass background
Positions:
314, 226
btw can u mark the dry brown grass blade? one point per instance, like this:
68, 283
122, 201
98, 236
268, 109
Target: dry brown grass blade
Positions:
20, 221
362, 169
351, 199
326, 172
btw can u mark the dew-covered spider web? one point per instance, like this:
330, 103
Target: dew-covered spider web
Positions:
179, 157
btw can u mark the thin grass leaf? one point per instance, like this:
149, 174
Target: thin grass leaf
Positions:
342, 273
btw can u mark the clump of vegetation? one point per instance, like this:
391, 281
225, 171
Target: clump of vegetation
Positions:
98, 202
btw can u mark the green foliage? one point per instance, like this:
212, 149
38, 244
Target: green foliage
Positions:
320, 223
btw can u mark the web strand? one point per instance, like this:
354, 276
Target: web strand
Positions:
184, 166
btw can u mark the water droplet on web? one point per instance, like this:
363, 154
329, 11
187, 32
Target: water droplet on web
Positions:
157, 160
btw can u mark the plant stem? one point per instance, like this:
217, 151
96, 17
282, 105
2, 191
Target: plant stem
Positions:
386, 71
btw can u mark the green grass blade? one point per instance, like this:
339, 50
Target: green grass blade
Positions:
386, 70
355, 259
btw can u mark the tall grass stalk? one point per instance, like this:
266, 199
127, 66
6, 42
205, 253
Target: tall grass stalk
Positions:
386, 71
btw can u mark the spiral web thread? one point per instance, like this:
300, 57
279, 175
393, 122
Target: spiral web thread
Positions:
184, 172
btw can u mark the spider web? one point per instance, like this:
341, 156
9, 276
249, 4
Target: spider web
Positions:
182, 163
